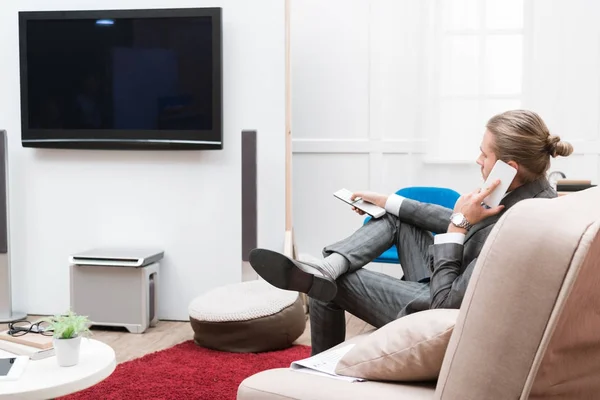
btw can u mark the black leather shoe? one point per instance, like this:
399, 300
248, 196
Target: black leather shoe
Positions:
285, 273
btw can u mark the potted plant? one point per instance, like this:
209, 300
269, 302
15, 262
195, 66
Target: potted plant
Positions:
68, 329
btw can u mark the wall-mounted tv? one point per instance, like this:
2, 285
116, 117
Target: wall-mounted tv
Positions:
122, 79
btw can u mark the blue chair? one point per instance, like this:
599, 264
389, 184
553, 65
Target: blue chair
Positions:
435, 195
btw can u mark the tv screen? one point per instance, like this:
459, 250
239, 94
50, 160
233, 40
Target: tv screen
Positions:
122, 79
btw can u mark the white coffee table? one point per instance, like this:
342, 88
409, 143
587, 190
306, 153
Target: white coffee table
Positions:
44, 379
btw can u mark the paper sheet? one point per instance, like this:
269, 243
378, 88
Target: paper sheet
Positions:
324, 364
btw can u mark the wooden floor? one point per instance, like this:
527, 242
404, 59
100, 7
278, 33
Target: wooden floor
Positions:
166, 334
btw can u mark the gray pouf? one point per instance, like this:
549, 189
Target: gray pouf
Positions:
247, 317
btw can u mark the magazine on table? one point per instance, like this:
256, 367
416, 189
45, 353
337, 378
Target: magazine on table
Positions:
32, 340
10, 348
324, 364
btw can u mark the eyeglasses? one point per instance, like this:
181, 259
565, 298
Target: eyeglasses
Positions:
21, 328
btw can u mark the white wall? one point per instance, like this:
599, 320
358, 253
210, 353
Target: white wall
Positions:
188, 203
362, 110
564, 79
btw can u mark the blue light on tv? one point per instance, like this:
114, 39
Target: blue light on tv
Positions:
105, 22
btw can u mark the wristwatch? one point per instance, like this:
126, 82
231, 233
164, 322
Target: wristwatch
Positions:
459, 220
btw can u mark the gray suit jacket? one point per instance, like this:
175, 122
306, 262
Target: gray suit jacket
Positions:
452, 264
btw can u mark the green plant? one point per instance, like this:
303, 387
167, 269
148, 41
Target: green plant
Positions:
69, 325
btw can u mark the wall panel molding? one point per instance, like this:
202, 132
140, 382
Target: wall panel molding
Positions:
357, 146
407, 146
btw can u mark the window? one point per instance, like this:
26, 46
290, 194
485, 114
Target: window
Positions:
477, 71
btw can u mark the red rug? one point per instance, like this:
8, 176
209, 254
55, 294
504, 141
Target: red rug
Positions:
187, 371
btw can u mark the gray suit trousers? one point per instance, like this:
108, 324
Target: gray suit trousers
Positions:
374, 297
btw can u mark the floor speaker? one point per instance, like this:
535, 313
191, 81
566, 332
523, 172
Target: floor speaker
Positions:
6, 313
249, 201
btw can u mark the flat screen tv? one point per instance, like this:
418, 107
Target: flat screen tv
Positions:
122, 79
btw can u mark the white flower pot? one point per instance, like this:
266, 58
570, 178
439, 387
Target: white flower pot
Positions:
67, 351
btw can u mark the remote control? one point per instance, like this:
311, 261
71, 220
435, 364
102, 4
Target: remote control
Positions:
371, 209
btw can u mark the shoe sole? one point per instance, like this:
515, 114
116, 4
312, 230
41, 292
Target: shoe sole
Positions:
282, 272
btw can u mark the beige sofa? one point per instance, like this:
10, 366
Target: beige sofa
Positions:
529, 326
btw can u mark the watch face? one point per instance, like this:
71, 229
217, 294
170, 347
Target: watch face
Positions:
457, 219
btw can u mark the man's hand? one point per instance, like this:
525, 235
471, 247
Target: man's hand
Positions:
371, 197
470, 205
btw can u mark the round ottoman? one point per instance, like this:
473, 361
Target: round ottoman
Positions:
247, 317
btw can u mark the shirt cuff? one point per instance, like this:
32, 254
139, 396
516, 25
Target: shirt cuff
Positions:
451, 237
393, 203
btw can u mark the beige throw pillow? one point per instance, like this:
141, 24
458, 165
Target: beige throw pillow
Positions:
411, 348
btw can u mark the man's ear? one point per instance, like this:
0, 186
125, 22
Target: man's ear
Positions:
514, 165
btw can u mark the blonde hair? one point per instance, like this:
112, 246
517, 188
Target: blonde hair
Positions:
523, 137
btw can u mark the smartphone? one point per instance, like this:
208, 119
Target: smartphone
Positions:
506, 174
11, 368
369, 208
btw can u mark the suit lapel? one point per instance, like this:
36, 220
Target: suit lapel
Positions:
486, 222
527, 191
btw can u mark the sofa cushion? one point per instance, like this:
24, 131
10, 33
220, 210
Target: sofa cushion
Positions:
283, 383
411, 348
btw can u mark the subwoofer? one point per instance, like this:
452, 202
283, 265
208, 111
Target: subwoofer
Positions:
6, 313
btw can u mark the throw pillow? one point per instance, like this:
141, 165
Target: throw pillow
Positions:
410, 348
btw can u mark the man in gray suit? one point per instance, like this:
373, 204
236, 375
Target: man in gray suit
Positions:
436, 269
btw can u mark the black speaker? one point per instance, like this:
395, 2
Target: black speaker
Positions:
6, 313
249, 193
3, 194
